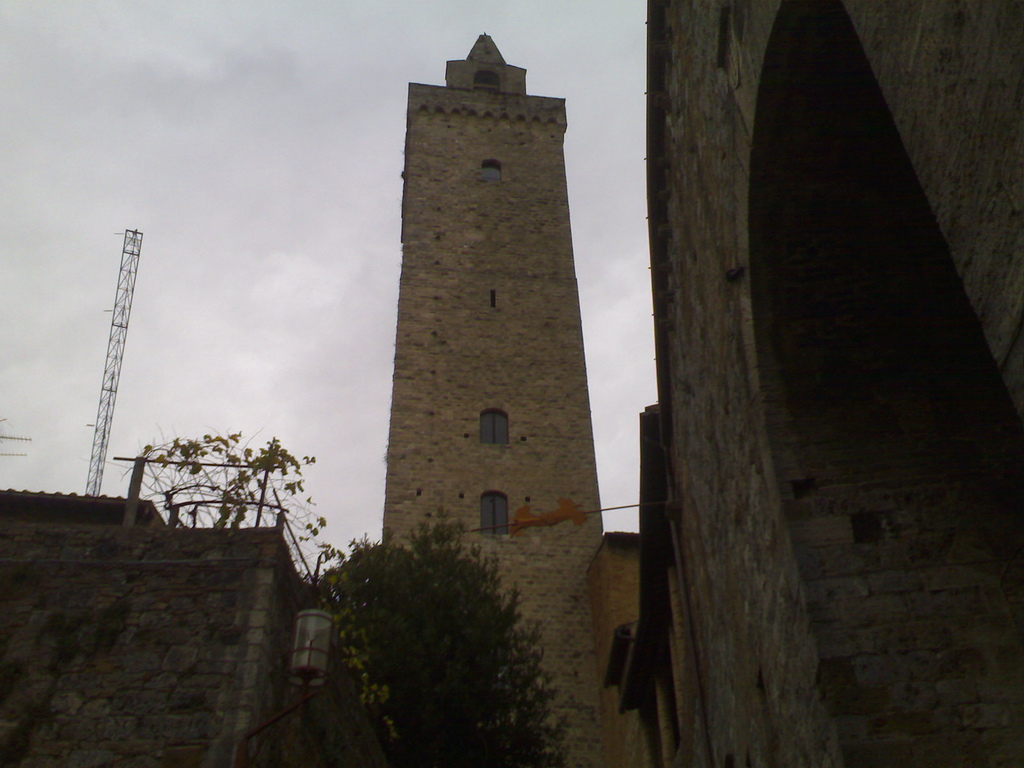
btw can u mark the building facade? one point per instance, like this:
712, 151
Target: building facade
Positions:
490, 418
835, 203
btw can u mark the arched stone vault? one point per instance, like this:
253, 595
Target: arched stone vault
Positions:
872, 361
837, 263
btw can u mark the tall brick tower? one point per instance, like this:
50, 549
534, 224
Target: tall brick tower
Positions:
490, 410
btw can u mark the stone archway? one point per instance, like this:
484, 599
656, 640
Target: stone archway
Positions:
890, 428
874, 364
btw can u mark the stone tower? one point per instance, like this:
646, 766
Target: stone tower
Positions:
490, 410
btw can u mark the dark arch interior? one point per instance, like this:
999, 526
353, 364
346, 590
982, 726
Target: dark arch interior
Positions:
486, 79
873, 363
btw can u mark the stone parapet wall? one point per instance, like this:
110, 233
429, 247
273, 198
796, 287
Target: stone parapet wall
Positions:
501, 106
147, 647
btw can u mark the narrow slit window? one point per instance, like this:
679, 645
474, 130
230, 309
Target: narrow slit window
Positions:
722, 59
494, 514
494, 427
490, 170
494, 298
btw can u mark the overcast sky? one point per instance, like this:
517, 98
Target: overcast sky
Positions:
258, 146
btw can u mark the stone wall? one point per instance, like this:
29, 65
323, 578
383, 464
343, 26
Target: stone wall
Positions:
837, 269
149, 647
614, 577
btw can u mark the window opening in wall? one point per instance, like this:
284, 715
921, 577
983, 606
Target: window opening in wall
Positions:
494, 514
490, 170
494, 427
723, 37
494, 298
485, 80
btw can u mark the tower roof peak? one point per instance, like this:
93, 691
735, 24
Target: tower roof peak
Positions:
485, 51
485, 70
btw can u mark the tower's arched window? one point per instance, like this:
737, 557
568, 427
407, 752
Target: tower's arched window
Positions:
494, 427
494, 513
485, 80
490, 170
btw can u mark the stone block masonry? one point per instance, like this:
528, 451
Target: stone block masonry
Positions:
152, 648
835, 240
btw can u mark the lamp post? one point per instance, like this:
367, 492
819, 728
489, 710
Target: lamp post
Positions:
311, 648
310, 654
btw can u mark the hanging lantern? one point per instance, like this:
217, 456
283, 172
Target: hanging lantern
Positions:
311, 648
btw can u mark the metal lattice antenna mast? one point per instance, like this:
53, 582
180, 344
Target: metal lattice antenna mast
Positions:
14, 437
115, 350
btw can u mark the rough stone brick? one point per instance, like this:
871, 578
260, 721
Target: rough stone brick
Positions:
113, 677
89, 758
819, 378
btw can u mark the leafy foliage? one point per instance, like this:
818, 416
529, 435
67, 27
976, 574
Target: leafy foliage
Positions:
453, 675
219, 481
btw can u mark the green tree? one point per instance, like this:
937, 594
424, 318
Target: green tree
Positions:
220, 480
454, 673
